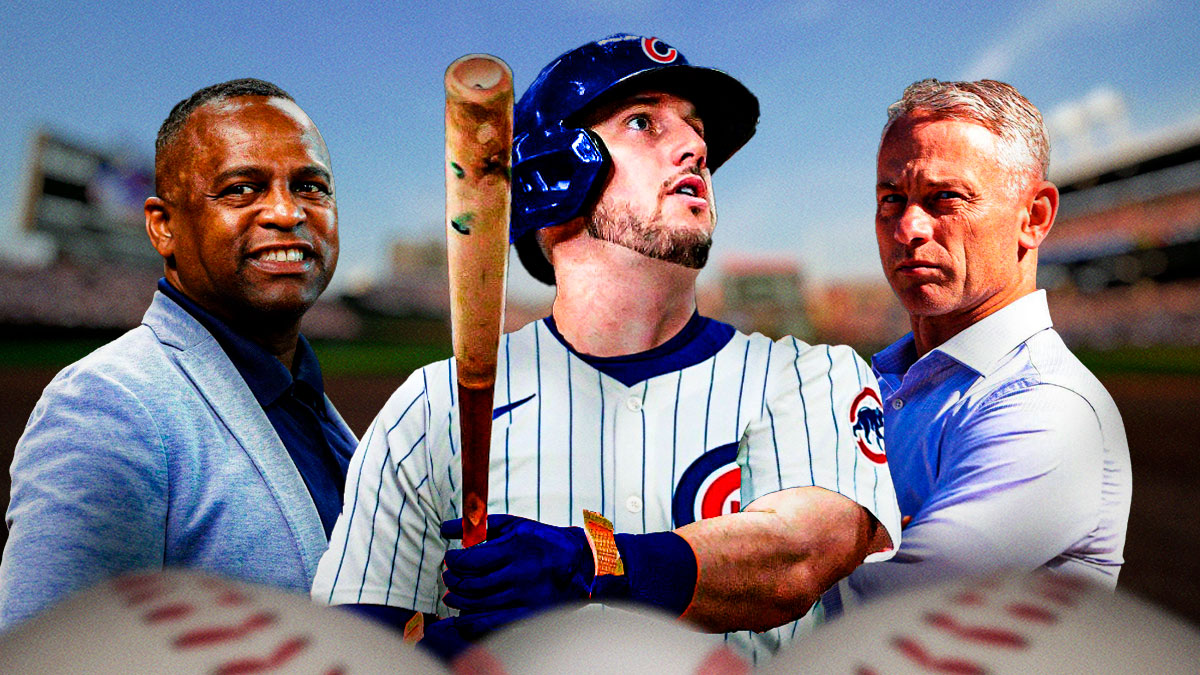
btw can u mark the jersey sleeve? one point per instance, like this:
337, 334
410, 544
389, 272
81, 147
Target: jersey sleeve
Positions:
385, 548
89, 494
1006, 499
821, 426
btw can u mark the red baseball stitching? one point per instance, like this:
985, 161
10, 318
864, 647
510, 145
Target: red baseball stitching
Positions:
285, 652
168, 612
920, 656
204, 637
1031, 612
995, 637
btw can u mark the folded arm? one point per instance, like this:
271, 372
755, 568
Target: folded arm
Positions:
767, 565
1007, 499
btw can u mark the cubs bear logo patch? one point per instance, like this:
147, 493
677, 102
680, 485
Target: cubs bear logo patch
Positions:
866, 420
710, 486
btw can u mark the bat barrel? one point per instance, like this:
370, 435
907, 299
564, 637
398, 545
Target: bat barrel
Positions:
479, 110
479, 102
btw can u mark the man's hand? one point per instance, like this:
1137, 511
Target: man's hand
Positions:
523, 564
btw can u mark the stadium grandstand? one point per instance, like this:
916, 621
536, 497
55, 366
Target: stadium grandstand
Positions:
1122, 264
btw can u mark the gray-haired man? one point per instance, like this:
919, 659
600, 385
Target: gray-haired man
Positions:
1006, 453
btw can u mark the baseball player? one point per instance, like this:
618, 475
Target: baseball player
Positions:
739, 476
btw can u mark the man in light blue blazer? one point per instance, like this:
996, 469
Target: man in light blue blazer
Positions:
202, 438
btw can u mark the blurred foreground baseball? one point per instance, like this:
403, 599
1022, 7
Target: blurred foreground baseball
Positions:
180, 621
602, 639
1041, 623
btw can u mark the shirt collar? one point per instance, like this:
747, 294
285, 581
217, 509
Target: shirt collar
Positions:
984, 342
980, 345
266, 376
699, 340
896, 358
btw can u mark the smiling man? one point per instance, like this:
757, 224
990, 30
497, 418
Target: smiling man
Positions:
201, 438
1006, 453
734, 483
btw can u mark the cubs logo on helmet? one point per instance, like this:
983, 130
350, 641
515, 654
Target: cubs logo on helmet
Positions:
710, 487
866, 420
658, 51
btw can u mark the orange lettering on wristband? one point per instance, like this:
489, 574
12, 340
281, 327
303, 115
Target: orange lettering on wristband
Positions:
599, 532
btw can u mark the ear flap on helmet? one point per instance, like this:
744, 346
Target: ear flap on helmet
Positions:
555, 172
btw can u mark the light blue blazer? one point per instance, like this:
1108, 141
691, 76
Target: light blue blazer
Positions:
152, 452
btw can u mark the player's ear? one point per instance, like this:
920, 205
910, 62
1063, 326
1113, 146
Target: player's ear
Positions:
1040, 209
159, 226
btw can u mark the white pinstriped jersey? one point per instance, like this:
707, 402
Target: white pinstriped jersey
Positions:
709, 421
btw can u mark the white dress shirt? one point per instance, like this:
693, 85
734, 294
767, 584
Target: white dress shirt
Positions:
1007, 453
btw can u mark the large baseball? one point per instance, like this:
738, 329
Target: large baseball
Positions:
1040, 623
602, 639
177, 621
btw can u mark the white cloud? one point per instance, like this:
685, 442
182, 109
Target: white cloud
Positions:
1044, 23
1096, 121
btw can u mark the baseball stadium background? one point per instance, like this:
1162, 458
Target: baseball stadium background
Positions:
1122, 267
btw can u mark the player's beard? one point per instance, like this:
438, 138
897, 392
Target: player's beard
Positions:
618, 224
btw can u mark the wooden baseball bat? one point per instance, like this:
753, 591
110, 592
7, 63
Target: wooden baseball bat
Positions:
479, 111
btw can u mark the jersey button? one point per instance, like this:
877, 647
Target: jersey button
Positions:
634, 504
897, 403
633, 403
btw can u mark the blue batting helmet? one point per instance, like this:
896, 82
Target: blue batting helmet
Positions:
559, 166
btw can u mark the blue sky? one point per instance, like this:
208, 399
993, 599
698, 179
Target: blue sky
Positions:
370, 75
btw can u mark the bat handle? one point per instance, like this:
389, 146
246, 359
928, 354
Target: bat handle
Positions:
474, 520
475, 410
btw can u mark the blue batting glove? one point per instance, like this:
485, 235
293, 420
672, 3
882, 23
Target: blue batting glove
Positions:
523, 564
443, 639
447, 638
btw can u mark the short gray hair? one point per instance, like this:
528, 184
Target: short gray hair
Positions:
996, 106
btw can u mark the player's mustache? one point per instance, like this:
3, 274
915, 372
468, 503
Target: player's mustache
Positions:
694, 170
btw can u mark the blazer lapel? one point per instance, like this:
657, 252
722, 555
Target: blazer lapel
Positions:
218, 381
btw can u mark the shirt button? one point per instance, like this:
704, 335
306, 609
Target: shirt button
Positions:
634, 504
634, 404
897, 404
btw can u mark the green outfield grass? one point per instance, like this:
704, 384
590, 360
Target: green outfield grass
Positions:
1163, 360
356, 358
379, 358
52, 353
